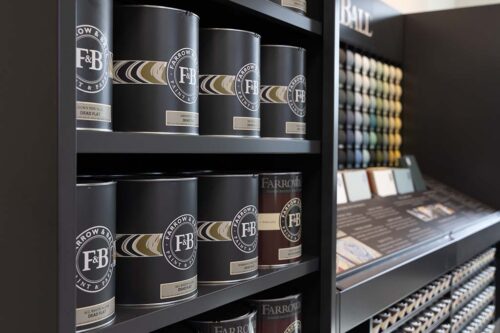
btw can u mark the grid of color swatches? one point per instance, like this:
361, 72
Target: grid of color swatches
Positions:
460, 301
369, 111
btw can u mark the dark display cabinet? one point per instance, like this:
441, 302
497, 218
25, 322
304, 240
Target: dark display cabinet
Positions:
450, 73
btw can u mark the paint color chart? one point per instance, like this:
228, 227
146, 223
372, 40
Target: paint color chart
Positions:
369, 111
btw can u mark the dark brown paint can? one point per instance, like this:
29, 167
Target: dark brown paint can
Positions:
95, 254
280, 219
279, 315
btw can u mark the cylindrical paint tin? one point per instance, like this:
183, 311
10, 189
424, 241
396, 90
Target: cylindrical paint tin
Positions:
229, 82
280, 219
283, 91
299, 6
234, 318
95, 254
156, 71
156, 240
94, 63
227, 228
279, 315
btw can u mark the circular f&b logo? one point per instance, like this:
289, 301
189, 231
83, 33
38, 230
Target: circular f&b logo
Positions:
182, 74
180, 243
247, 86
296, 95
93, 59
244, 229
94, 259
290, 220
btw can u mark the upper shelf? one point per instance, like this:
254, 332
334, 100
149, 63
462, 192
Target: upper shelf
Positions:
280, 14
93, 142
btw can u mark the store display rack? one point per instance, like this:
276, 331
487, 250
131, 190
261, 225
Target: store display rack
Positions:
50, 143
43, 154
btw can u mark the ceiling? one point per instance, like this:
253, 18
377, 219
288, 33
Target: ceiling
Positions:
414, 6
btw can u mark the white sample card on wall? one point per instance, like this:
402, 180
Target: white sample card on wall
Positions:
356, 184
382, 182
404, 182
341, 194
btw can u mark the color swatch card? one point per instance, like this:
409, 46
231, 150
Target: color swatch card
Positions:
404, 181
410, 162
341, 193
356, 184
382, 182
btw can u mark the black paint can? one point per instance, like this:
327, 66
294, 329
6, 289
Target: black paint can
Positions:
95, 254
229, 82
283, 91
156, 70
156, 242
279, 315
299, 6
233, 318
94, 63
227, 228
280, 219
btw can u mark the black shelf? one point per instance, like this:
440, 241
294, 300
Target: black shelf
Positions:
369, 291
280, 14
135, 320
93, 142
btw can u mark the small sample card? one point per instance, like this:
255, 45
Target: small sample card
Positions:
343, 264
404, 181
429, 213
356, 184
341, 193
355, 251
382, 182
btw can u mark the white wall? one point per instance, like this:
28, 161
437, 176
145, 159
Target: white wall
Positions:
413, 6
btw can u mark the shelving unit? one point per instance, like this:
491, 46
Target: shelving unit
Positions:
61, 152
43, 154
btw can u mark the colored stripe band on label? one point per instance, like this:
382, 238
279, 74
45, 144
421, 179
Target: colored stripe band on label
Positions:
273, 94
139, 245
217, 85
269, 221
139, 72
214, 231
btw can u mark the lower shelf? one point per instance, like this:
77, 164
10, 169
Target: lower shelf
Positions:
209, 297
